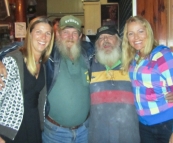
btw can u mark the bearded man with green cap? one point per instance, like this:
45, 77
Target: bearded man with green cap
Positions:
68, 87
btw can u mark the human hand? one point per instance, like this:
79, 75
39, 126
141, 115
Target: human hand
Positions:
169, 97
1, 140
3, 73
171, 139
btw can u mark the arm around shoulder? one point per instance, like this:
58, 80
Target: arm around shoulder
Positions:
13, 91
3, 52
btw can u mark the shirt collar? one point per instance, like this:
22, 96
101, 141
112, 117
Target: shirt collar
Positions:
116, 64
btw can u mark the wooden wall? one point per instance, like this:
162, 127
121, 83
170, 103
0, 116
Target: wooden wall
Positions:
155, 12
170, 23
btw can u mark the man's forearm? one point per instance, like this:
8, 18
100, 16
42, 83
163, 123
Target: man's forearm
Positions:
9, 48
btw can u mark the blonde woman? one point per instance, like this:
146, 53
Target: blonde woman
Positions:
23, 98
151, 73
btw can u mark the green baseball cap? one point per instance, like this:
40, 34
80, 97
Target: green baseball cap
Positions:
70, 21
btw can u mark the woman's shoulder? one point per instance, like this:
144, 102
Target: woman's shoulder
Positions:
160, 52
160, 49
15, 53
13, 59
9, 61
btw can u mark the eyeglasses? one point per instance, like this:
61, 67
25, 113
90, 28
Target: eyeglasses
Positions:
102, 38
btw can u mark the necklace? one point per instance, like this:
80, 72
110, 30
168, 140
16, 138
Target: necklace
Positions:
39, 62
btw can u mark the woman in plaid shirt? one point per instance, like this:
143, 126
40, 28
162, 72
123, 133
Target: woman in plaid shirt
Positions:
150, 68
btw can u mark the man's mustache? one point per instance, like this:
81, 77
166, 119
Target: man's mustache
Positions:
70, 41
106, 43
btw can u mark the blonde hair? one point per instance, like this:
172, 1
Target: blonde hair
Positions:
128, 52
27, 48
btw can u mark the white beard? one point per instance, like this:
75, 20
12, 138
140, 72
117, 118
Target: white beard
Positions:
73, 53
110, 58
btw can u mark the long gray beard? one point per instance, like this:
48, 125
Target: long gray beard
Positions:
108, 59
72, 53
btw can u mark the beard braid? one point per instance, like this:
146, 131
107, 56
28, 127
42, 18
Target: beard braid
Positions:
108, 59
72, 53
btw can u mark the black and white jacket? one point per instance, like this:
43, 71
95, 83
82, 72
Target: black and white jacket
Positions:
11, 96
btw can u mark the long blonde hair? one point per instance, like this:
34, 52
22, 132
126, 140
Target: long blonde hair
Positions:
27, 48
128, 52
